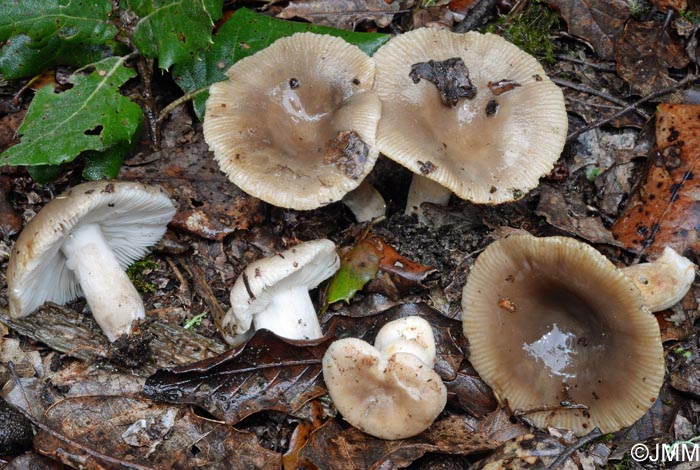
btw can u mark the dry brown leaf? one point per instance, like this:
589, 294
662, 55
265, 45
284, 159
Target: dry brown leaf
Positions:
268, 373
345, 14
665, 211
468, 392
560, 213
105, 433
525, 452
665, 5
331, 446
645, 52
10, 221
599, 22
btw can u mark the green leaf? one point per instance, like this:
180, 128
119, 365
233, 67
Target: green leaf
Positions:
244, 34
105, 165
92, 115
357, 267
43, 174
19, 58
78, 21
174, 30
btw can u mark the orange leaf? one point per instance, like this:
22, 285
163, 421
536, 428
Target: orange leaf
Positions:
665, 211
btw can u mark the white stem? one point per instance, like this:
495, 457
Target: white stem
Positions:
425, 190
113, 299
290, 314
664, 281
365, 202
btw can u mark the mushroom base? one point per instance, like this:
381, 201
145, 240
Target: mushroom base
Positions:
113, 299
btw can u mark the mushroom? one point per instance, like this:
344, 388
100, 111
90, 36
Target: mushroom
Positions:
467, 113
273, 293
365, 202
388, 390
80, 243
664, 281
295, 124
561, 334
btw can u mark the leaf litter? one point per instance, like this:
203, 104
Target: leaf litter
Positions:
225, 237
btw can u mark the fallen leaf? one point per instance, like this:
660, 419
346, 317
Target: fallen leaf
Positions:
560, 213
345, 14
358, 266
300, 436
449, 339
210, 206
331, 446
684, 367
468, 392
645, 52
268, 373
118, 432
665, 211
376, 264
665, 5
599, 22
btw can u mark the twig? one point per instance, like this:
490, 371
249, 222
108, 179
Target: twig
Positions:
602, 68
569, 450
664, 91
145, 68
572, 406
592, 91
183, 99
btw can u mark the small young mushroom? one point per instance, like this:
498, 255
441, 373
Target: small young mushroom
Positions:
273, 293
467, 113
295, 124
80, 243
561, 334
388, 390
664, 281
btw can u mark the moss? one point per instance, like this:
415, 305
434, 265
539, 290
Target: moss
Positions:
136, 273
639, 9
624, 464
530, 30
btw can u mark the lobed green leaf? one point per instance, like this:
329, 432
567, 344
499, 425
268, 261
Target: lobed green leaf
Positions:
78, 21
244, 34
90, 116
174, 30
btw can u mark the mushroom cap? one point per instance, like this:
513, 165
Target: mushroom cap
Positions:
551, 320
295, 124
306, 264
131, 216
408, 334
484, 159
390, 398
664, 281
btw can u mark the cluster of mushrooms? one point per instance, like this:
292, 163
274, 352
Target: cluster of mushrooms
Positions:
557, 331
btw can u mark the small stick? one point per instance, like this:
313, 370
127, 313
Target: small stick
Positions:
592, 91
165, 112
602, 68
569, 450
692, 78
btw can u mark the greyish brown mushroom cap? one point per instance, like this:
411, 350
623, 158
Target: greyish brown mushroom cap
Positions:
490, 148
551, 322
295, 124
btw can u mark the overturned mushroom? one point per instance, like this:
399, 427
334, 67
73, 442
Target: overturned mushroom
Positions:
80, 243
295, 124
664, 281
467, 113
561, 334
273, 293
390, 390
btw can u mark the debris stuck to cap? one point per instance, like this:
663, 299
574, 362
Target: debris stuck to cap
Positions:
482, 151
